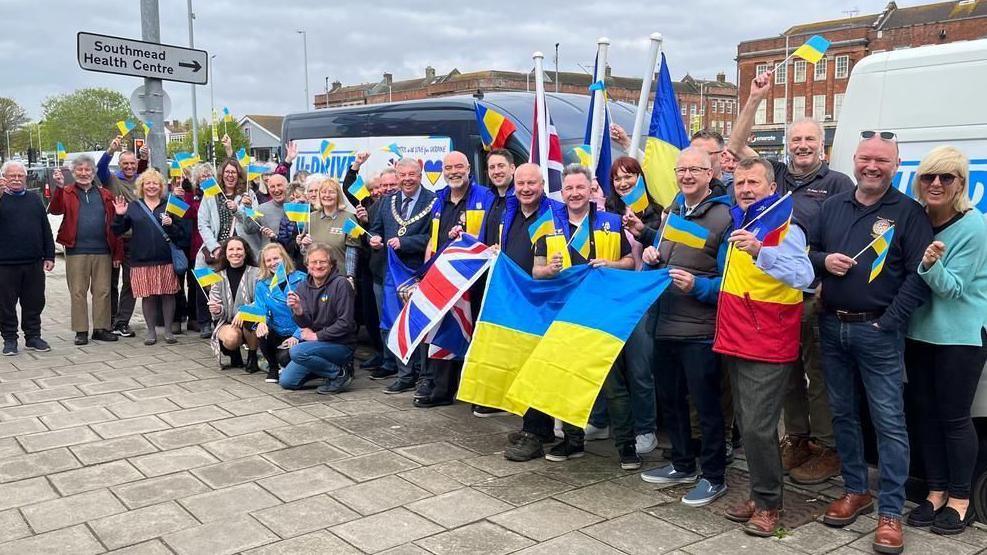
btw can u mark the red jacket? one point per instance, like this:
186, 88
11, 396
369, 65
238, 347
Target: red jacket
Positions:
65, 202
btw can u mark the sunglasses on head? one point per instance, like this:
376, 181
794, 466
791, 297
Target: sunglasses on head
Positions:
946, 179
886, 135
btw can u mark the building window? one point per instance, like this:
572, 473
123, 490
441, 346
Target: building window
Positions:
842, 67
729, 106
683, 109
820, 69
800, 71
819, 107
837, 106
729, 127
782, 74
780, 110
798, 108
761, 116
759, 69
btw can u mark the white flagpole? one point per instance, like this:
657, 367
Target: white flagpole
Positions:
770, 208
871, 243
599, 102
642, 101
542, 138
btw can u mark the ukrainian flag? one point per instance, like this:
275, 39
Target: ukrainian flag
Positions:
580, 239
359, 189
186, 159
541, 227
393, 149
227, 116
252, 313
555, 244
666, 138
813, 49
565, 371
176, 206
680, 230
147, 128
242, 157
206, 276
637, 198
60, 153
297, 211
326, 149
254, 171
174, 170
881, 246
251, 212
126, 126
210, 187
280, 276
353, 229
582, 153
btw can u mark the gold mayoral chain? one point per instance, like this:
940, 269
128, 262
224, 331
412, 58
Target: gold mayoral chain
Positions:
405, 223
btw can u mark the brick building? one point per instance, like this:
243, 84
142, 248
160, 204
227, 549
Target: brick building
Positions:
802, 89
703, 103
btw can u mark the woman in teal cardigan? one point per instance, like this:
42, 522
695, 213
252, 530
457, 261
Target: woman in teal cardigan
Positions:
947, 342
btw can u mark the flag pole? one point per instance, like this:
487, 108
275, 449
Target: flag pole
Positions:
599, 102
542, 137
769, 209
871, 243
642, 101
783, 62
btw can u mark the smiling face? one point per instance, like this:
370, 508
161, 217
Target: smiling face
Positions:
83, 174
16, 177
874, 165
387, 183
276, 186
409, 178
528, 186
456, 170
624, 182
329, 197
693, 173
318, 264
804, 142
576, 191
500, 171
236, 254
312, 193
152, 188
128, 164
751, 185
230, 177
272, 257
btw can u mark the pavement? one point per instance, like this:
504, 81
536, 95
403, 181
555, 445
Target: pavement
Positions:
132, 449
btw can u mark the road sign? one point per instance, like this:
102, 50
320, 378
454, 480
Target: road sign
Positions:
137, 58
139, 104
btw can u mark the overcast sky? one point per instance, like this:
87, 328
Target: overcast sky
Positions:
259, 67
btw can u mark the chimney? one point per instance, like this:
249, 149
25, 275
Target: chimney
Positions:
336, 85
388, 79
721, 77
429, 73
607, 72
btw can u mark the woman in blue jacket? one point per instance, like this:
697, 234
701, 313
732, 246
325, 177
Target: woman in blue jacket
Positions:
279, 332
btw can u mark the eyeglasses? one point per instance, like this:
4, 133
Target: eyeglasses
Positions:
693, 170
946, 179
885, 135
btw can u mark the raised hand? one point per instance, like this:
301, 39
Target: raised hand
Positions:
361, 158
120, 205
116, 144
291, 152
761, 85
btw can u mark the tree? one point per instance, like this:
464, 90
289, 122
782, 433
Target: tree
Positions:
237, 136
12, 117
86, 118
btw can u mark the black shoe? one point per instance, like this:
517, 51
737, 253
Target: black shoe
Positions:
399, 386
104, 335
527, 447
629, 459
564, 451
9, 347
428, 402
192, 325
176, 328
515, 437
205, 332
272, 375
382, 374
949, 523
424, 388
374, 363
236, 359
338, 384
81, 338
251, 366
486, 412
170, 339
729, 456
123, 330
922, 515
34, 344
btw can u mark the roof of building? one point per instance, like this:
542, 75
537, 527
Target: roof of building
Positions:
271, 124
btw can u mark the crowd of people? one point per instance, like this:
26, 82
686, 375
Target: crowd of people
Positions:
868, 289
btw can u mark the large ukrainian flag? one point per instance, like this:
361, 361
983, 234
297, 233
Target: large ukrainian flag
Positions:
566, 369
666, 138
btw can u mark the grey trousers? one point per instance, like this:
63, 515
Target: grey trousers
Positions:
807, 411
758, 388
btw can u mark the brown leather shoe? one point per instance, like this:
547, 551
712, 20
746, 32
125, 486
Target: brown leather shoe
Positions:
741, 512
888, 538
819, 468
763, 523
794, 452
846, 509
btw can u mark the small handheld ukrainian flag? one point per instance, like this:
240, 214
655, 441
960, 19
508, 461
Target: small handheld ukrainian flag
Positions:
296, 211
60, 153
227, 116
254, 171
280, 276
206, 276
242, 157
174, 170
252, 313
541, 227
147, 128
252, 212
326, 149
176, 206
580, 239
584, 156
126, 126
186, 159
359, 189
813, 49
680, 230
210, 187
353, 229
637, 198
881, 246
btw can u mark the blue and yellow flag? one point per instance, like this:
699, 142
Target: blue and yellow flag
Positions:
393, 149
147, 128
243, 158
186, 159
359, 189
881, 246
580, 238
126, 126
252, 212
60, 153
680, 230
210, 187
252, 313
604, 158
176, 206
174, 170
227, 116
583, 155
326, 149
353, 229
666, 138
255, 171
813, 49
206, 276
280, 276
541, 227
297, 211
637, 198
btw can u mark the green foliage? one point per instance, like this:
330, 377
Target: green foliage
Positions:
237, 136
12, 117
85, 118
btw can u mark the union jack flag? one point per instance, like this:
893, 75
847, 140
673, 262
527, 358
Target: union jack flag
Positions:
451, 338
450, 275
554, 181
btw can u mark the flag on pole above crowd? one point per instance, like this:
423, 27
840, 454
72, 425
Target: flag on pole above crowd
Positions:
495, 129
543, 131
666, 138
598, 123
813, 50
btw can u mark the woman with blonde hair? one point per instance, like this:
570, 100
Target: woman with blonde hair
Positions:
278, 332
946, 344
326, 227
152, 275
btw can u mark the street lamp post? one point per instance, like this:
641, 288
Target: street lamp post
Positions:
212, 104
195, 112
305, 53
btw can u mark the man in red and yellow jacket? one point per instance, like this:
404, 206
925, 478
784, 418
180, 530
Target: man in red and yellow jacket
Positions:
758, 324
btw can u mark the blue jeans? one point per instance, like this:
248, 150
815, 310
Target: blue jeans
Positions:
313, 359
637, 358
852, 351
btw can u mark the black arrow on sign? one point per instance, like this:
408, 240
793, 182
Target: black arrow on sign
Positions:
195, 65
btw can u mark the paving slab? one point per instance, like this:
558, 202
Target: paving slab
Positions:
479, 537
77, 540
142, 524
544, 520
459, 507
402, 526
75, 509
380, 495
220, 538
316, 543
305, 515
158, 490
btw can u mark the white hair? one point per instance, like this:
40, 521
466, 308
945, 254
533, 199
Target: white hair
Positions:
200, 169
11, 163
315, 179
83, 160
408, 162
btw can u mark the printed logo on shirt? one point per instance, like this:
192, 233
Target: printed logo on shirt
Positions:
880, 226
324, 298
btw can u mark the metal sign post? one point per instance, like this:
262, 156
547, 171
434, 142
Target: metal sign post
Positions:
154, 100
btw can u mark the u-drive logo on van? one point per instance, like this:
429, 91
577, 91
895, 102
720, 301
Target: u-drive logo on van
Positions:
904, 180
335, 166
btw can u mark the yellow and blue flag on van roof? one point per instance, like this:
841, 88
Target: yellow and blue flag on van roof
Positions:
206, 276
637, 198
326, 149
359, 189
680, 230
580, 238
60, 153
813, 49
881, 246
176, 206
666, 138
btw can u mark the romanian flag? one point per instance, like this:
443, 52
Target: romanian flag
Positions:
60, 153
176, 206
126, 126
637, 198
666, 138
242, 157
280, 276
210, 187
353, 229
255, 170
252, 313
359, 189
495, 129
297, 211
186, 159
326, 149
227, 116
580, 239
174, 170
813, 49
881, 246
206, 276
772, 216
680, 230
541, 227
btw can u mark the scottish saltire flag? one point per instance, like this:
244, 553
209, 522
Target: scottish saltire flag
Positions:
206, 276
637, 198
60, 153
209, 187
126, 126
252, 313
451, 273
554, 182
325, 150
296, 211
359, 189
398, 276
881, 246
580, 238
451, 338
280, 276
494, 128
771, 219
813, 49
666, 138
176, 206
680, 230
603, 160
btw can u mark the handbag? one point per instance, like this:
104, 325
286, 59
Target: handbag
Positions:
178, 259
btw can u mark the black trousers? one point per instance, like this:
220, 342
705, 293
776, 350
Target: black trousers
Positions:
24, 283
122, 301
276, 358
